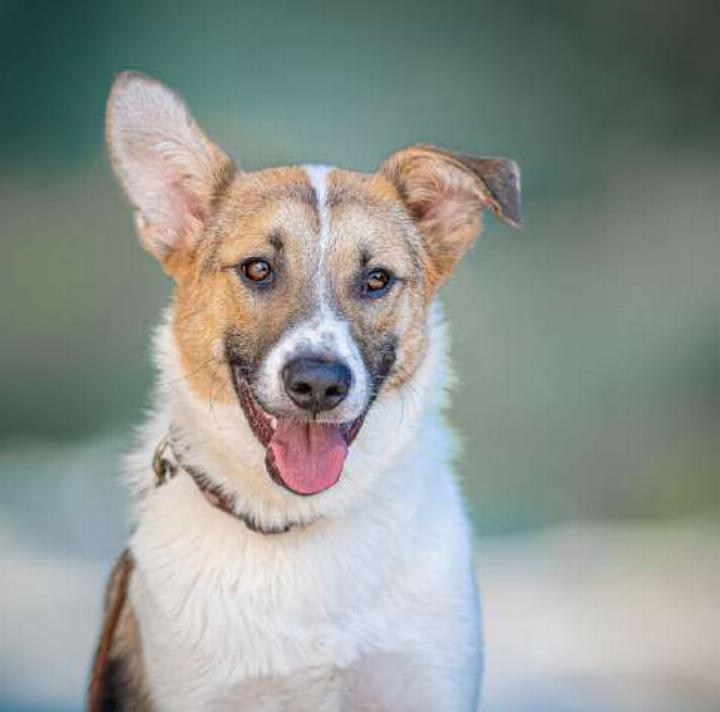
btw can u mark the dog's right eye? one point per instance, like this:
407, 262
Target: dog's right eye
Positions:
257, 271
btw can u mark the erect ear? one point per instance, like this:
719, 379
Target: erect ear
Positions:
169, 169
445, 193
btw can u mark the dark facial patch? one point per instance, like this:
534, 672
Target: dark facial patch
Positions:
379, 357
247, 351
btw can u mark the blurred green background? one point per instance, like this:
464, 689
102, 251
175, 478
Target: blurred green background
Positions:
587, 346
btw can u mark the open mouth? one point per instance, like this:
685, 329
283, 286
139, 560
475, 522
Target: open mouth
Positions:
304, 456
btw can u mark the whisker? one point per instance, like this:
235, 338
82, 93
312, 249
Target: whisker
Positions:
187, 375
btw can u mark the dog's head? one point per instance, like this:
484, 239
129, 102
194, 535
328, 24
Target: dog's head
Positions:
309, 287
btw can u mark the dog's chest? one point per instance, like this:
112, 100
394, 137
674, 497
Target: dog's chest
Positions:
219, 606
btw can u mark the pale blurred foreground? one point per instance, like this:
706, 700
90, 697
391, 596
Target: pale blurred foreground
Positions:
606, 617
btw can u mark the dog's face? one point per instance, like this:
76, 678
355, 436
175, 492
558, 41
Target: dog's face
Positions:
301, 293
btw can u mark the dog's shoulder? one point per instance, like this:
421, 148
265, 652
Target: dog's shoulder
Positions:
117, 678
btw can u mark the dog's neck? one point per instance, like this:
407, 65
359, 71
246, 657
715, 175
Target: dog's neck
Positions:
168, 463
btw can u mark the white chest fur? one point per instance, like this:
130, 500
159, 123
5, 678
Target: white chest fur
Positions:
220, 606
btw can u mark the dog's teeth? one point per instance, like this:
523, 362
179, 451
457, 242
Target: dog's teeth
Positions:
273, 422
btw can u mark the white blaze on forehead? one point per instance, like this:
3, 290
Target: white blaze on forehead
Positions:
318, 176
324, 334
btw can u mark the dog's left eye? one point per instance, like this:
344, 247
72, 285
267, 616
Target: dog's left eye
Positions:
376, 282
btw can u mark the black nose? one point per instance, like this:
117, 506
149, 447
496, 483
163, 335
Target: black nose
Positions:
316, 385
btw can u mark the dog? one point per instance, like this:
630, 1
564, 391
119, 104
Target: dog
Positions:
298, 540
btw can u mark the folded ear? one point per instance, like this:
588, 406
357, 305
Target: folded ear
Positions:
445, 193
169, 169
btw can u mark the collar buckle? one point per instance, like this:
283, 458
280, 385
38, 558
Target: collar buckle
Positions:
165, 467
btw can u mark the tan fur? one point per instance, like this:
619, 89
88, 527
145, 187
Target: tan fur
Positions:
367, 212
210, 298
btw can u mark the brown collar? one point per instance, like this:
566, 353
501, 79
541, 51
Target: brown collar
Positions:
167, 464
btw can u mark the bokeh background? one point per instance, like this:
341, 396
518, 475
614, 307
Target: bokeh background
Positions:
587, 345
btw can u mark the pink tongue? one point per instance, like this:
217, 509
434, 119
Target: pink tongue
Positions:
308, 457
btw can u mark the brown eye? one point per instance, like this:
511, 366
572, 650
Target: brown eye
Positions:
256, 270
377, 282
